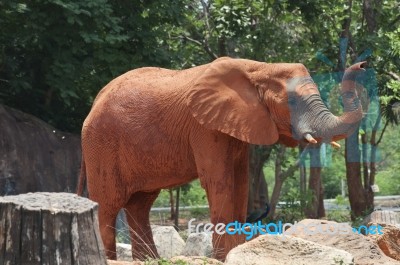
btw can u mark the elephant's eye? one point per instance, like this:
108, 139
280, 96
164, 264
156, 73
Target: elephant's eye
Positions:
292, 102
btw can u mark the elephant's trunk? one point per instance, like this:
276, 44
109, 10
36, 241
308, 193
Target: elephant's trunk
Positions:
325, 125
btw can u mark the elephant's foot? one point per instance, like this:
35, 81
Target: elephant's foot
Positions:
222, 244
109, 244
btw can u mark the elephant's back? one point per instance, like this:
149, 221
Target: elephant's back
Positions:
142, 95
150, 79
130, 83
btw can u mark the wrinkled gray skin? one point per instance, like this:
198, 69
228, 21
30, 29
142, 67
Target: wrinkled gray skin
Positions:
309, 111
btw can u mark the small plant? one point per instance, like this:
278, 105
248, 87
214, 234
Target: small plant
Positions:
164, 261
295, 203
339, 261
340, 200
123, 236
359, 221
340, 216
181, 262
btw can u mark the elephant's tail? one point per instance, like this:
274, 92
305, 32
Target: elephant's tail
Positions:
82, 178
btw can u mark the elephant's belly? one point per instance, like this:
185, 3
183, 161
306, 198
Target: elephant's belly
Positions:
159, 166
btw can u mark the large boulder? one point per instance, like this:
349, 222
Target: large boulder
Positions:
285, 250
389, 241
364, 250
198, 244
168, 241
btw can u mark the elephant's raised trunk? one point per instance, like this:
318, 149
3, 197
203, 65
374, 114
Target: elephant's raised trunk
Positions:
326, 126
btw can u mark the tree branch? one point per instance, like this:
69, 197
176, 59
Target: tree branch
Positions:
290, 171
201, 44
206, 11
393, 75
383, 131
345, 34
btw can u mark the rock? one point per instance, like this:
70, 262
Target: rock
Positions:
195, 260
36, 157
285, 250
364, 250
124, 252
198, 244
389, 241
167, 241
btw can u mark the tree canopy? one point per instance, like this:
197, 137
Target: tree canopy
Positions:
55, 55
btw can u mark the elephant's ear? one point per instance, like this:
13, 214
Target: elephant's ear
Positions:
224, 99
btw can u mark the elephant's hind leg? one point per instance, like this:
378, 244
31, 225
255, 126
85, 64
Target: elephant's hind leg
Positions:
107, 218
137, 213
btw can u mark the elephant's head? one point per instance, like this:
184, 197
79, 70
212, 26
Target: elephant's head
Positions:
262, 103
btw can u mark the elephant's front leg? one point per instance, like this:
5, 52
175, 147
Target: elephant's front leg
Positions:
241, 175
226, 191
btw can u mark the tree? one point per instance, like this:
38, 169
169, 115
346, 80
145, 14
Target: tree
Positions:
361, 164
363, 29
55, 55
258, 189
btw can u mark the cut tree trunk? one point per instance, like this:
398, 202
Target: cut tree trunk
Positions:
382, 217
49, 228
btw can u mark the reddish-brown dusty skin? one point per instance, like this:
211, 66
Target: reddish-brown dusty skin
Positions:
154, 128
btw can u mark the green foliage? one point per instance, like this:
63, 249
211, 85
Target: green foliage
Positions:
339, 215
359, 220
123, 237
294, 205
164, 261
49, 52
333, 174
162, 199
387, 177
340, 200
55, 55
193, 194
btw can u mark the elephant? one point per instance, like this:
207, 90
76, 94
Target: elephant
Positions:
153, 128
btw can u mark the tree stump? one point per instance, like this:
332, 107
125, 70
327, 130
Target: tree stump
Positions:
383, 217
49, 228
